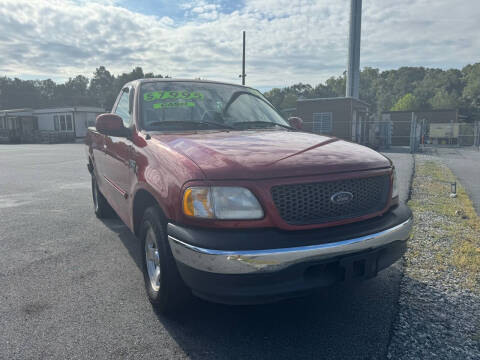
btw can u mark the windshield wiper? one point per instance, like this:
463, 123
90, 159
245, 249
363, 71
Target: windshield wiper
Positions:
185, 122
263, 123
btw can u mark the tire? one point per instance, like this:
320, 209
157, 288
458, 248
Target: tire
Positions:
165, 288
100, 205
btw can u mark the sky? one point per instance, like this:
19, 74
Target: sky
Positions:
288, 41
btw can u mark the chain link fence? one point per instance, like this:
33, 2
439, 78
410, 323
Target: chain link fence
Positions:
417, 133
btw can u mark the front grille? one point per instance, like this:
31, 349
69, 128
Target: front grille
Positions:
302, 204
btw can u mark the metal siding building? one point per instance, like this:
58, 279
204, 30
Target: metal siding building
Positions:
342, 117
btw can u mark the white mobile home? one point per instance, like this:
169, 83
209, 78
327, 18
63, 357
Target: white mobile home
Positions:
72, 119
58, 124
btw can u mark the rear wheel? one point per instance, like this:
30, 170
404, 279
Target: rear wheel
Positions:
164, 286
101, 206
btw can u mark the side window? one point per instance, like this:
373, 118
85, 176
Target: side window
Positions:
123, 107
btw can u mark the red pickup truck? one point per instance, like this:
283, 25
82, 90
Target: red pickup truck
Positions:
235, 204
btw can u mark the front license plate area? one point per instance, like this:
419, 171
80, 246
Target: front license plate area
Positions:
361, 266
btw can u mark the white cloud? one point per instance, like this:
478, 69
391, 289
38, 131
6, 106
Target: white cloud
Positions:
211, 15
205, 8
287, 41
201, 9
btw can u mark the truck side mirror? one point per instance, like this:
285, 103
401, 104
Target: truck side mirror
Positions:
296, 122
111, 124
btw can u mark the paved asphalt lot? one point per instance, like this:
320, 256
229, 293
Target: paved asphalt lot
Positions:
465, 164
71, 285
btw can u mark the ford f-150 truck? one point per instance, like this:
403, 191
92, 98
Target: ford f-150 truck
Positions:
235, 204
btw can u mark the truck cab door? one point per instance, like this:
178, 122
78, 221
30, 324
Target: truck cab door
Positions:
118, 155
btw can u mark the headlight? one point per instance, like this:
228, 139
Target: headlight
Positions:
221, 202
395, 186
197, 202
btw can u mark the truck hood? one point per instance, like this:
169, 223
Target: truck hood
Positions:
269, 154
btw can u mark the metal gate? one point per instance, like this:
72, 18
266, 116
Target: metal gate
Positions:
414, 132
405, 135
477, 134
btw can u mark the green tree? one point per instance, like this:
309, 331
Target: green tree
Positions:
444, 100
471, 91
151, 75
383, 90
369, 78
18, 93
78, 85
337, 85
275, 96
405, 103
101, 88
46, 89
289, 101
74, 92
301, 90
322, 91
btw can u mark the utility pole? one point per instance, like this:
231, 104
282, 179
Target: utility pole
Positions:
353, 69
243, 62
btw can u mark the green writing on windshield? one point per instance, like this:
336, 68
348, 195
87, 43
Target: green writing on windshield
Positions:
173, 105
175, 95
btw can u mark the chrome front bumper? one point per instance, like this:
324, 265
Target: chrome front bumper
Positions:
271, 260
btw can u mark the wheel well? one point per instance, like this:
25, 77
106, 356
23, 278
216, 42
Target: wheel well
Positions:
143, 200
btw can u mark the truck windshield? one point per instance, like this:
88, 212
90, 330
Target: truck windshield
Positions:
173, 105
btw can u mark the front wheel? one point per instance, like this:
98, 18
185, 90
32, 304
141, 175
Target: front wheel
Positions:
164, 286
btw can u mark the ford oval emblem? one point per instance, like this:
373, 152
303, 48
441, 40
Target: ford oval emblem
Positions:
341, 197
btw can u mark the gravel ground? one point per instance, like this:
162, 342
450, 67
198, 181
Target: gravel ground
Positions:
438, 315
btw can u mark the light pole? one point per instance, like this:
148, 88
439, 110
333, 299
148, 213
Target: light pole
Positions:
353, 69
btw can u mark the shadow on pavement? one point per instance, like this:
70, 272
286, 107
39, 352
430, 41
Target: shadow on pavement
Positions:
130, 242
343, 321
327, 324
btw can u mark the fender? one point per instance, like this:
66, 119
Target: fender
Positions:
149, 189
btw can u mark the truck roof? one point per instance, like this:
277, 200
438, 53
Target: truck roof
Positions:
149, 80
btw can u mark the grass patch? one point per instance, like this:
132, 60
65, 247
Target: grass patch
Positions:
456, 219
